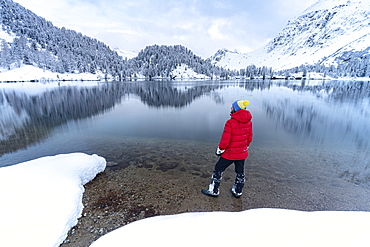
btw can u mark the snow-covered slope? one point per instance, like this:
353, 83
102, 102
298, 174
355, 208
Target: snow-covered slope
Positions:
126, 54
183, 71
6, 36
229, 59
326, 29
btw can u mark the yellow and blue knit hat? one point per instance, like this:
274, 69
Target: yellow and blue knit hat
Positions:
240, 105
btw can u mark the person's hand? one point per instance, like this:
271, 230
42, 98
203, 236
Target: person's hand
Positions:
219, 151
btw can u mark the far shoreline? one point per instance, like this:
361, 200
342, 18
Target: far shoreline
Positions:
31, 74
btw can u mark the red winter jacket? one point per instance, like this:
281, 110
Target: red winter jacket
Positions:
237, 136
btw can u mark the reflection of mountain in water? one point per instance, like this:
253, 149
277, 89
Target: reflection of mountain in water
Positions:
339, 115
340, 91
160, 94
165, 94
296, 119
314, 120
26, 119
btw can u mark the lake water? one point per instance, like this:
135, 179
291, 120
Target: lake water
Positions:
312, 131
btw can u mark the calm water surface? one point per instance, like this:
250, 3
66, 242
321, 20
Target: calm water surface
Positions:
315, 131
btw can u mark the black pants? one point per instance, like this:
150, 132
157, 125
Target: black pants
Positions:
220, 167
223, 163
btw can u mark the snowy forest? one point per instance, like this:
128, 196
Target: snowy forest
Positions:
160, 61
39, 43
61, 50
349, 64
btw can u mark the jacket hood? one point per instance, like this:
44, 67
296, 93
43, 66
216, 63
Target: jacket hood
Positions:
242, 116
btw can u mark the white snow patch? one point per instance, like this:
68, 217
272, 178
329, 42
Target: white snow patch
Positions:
126, 54
42, 199
6, 36
256, 227
185, 72
32, 73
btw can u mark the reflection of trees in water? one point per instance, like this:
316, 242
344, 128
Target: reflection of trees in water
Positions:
305, 119
336, 91
27, 119
160, 94
41, 113
295, 119
318, 122
308, 120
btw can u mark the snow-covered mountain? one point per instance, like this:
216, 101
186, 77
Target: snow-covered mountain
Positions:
33, 49
326, 32
229, 59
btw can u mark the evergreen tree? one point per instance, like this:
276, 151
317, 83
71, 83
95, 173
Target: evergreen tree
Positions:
5, 56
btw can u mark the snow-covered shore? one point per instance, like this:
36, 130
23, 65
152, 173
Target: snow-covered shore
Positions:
41, 200
255, 227
29, 73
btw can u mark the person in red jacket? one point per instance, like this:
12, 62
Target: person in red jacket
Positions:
233, 148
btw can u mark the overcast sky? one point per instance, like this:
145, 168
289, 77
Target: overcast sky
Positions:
204, 26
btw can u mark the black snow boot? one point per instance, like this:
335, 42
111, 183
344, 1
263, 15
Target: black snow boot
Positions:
237, 189
213, 188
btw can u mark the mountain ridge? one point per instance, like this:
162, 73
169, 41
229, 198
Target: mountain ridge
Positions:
321, 30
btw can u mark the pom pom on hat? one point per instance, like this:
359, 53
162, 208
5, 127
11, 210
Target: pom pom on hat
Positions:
240, 105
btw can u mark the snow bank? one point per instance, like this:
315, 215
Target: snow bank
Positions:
42, 199
256, 227
31, 73
185, 72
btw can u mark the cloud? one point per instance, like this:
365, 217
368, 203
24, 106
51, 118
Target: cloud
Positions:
217, 29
